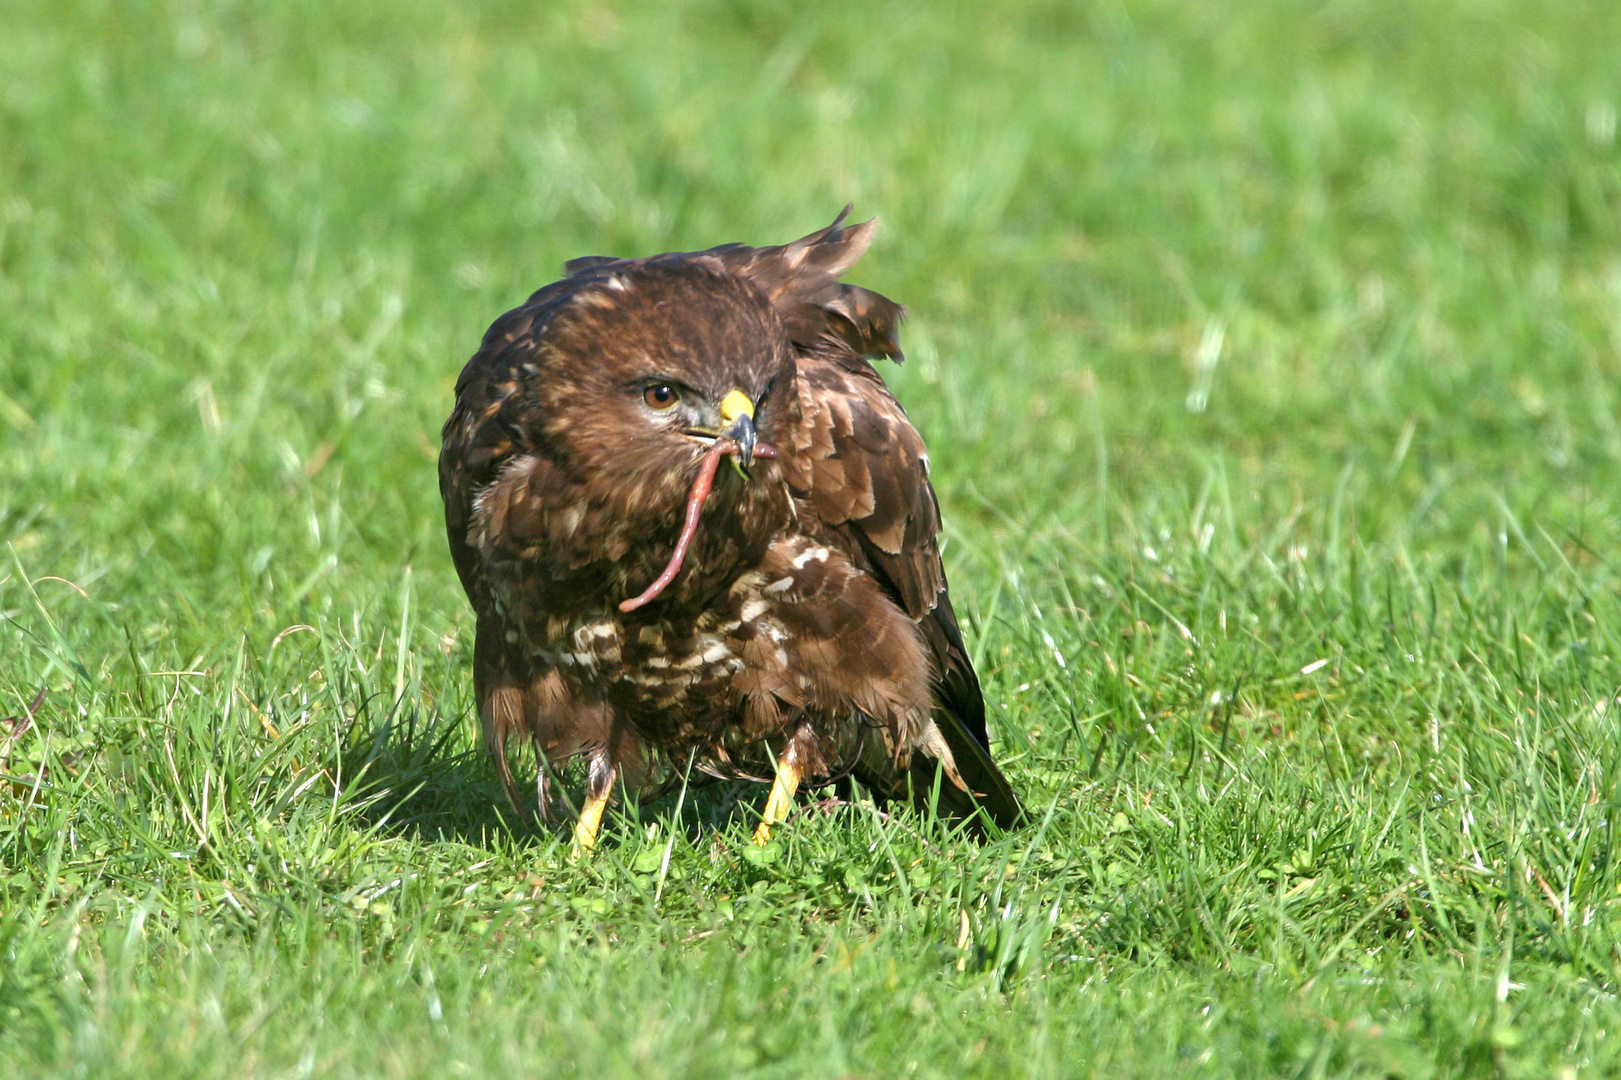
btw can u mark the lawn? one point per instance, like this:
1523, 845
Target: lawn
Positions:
1268, 353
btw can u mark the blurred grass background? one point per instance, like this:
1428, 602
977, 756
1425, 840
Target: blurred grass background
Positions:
1268, 356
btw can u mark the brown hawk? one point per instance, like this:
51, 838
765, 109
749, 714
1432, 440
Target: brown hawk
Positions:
787, 616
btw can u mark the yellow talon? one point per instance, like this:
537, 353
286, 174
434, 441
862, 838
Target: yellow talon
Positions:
585, 830
781, 801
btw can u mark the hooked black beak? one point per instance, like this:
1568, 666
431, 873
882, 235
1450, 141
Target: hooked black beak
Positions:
742, 433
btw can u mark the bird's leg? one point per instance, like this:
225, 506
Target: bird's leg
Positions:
790, 770
598, 786
543, 784
585, 829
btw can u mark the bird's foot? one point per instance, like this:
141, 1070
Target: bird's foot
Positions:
596, 804
781, 801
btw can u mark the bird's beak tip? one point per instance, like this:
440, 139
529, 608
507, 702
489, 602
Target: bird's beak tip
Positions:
742, 432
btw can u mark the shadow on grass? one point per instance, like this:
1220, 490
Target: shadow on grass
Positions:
414, 774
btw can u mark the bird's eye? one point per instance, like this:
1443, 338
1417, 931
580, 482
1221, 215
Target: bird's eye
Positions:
660, 396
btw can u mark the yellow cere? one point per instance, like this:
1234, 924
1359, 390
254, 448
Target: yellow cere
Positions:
735, 404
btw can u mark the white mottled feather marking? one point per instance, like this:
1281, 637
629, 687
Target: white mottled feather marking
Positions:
816, 554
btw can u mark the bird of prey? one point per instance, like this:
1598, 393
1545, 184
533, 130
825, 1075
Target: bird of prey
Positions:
785, 617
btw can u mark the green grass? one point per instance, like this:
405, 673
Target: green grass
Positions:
1269, 357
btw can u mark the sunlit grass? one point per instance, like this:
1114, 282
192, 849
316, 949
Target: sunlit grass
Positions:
1268, 357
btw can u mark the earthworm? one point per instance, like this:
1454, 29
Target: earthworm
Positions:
701, 485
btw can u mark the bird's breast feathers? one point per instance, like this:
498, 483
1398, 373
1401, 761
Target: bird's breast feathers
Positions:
802, 629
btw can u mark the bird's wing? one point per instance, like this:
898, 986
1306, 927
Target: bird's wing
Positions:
489, 423
484, 432
861, 465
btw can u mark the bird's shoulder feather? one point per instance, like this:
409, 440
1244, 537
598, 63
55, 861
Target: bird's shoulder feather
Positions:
801, 279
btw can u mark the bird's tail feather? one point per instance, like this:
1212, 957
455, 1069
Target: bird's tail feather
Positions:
988, 790
930, 786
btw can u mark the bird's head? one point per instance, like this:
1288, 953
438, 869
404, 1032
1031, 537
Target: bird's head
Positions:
646, 368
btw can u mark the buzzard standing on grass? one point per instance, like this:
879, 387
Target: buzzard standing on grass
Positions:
641, 606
